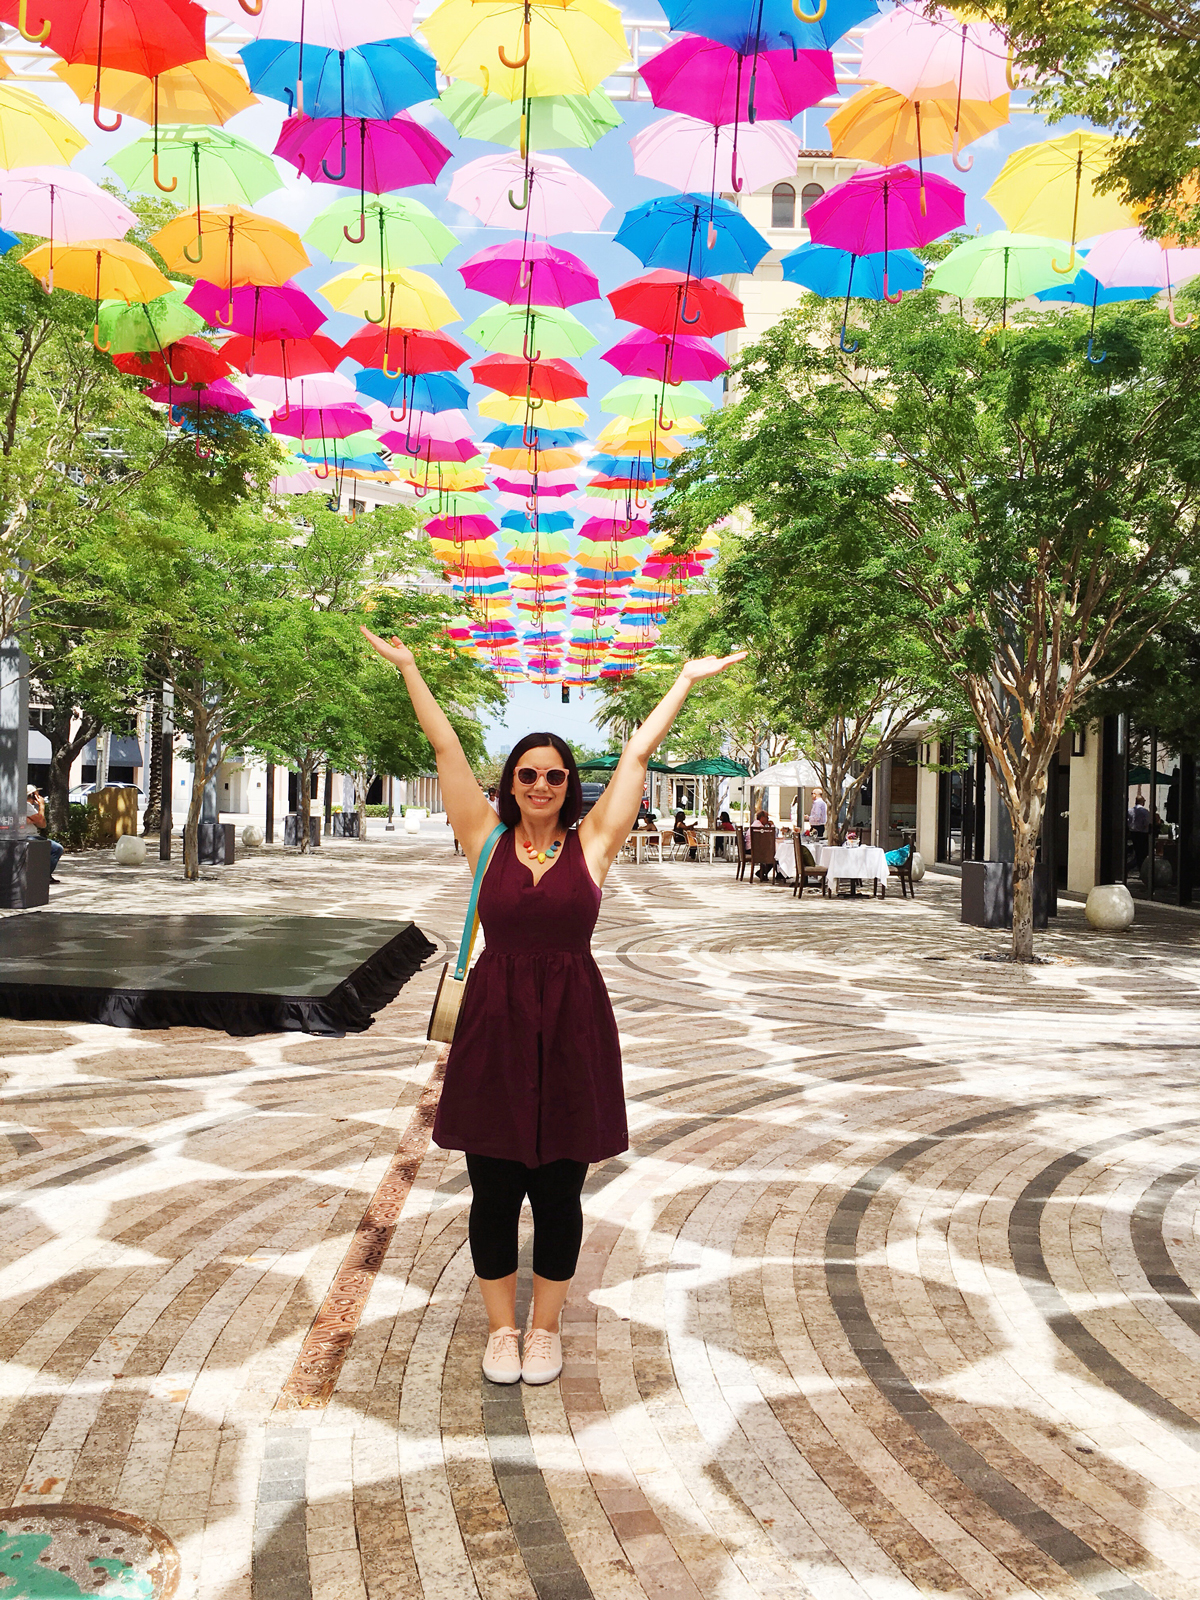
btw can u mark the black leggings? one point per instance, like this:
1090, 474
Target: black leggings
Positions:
497, 1189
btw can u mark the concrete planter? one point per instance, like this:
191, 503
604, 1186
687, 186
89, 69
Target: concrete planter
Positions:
291, 830
987, 894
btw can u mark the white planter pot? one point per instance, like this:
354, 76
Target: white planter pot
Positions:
1109, 907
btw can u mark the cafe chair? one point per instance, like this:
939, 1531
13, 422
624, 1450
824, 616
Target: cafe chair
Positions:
900, 866
807, 871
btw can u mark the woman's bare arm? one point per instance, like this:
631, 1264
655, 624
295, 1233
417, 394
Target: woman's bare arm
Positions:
470, 815
605, 828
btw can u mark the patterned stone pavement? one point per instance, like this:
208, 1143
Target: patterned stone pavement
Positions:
894, 1294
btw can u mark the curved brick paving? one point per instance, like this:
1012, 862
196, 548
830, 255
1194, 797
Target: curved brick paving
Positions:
895, 1294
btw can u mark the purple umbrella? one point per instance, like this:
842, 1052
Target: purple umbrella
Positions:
386, 155
538, 273
261, 312
885, 208
682, 358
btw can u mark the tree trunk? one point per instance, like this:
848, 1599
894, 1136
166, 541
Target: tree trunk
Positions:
308, 765
205, 733
63, 751
1026, 828
362, 782
153, 818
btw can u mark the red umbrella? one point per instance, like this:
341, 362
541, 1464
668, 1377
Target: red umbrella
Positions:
545, 380
188, 361
283, 358
671, 302
147, 37
413, 348
265, 313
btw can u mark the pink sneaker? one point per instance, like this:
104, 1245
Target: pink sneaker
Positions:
543, 1357
502, 1357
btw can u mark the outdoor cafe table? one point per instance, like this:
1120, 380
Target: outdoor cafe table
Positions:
706, 837
852, 862
640, 839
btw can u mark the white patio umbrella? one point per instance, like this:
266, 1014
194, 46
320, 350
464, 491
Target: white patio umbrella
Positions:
798, 774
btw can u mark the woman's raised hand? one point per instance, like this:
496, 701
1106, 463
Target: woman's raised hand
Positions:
709, 666
398, 654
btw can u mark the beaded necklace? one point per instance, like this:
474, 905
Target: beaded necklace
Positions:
540, 855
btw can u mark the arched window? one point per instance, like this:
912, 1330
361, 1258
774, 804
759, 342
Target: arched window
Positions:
783, 206
810, 193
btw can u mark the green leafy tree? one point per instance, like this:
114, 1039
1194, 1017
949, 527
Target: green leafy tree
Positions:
1027, 516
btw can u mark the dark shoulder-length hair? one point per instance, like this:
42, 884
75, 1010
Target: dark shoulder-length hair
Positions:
572, 806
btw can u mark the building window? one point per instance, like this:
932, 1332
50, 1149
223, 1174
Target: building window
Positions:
809, 195
358, 506
783, 206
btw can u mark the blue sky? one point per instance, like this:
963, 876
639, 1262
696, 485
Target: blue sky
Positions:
609, 166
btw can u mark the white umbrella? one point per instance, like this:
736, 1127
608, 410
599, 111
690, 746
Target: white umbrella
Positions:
798, 774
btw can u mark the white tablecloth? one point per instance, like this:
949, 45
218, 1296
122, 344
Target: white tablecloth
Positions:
864, 861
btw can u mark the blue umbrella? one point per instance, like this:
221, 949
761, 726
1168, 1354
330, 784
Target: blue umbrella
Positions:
426, 391
372, 80
547, 521
835, 274
692, 233
8, 241
627, 467
1084, 290
512, 437
749, 26
365, 463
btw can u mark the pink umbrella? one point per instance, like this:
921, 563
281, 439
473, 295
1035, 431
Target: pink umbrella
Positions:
615, 525
279, 393
533, 271
683, 358
522, 483
686, 153
933, 57
885, 208
387, 155
62, 206
262, 313
218, 396
432, 436
1126, 259
555, 198
321, 422
461, 529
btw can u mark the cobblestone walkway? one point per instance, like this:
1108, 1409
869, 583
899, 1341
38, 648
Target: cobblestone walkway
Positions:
895, 1293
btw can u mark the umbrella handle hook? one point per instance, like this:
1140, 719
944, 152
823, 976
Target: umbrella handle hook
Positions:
1095, 360
377, 320
96, 341
105, 127
167, 188
537, 354
662, 421
356, 238
23, 25
737, 184
226, 321
251, 10
171, 374
848, 348
336, 177
198, 257
1008, 69
523, 203
966, 163
803, 16
683, 316
1070, 266
322, 471
892, 299
523, 59
1178, 322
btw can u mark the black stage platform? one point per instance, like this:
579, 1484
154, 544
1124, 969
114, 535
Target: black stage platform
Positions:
240, 974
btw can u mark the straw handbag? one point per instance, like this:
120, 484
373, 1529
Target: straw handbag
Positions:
448, 1001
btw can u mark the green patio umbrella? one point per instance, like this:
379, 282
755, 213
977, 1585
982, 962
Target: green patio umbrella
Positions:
1004, 266
713, 767
1162, 780
397, 232
127, 329
556, 121
551, 332
609, 764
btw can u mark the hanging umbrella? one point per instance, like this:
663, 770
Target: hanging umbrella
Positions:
547, 379
509, 437
1084, 290
375, 79
551, 413
408, 350
215, 168
1008, 266
533, 272
246, 249
427, 391
694, 234
758, 25
882, 126
1126, 258
534, 49
548, 330
1042, 185
263, 312
282, 394
105, 269
535, 459
208, 90
879, 208
290, 357
838, 274
711, 81
682, 358
398, 232
554, 197
8, 241
326, 423
148, 37
376, 156
406, 299
61, 206
216, 396
663, 301
150, 326
543, 122
433, 436
33, 135
186, 361
692, 155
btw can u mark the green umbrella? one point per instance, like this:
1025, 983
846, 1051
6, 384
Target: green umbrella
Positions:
130, 328
556, 121
398, 232
640, 399
1006, 266
608, 764
713, 767
455, 503
551, 331
354, 444
1142, 775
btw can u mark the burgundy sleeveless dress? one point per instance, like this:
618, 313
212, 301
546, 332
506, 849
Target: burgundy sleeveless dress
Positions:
534, 1073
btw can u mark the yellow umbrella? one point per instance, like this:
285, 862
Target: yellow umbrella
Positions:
543, 47
1042, 185
622, 431
249, 248
882, 126
450, 475
406, 299
31, 135
5, 69
209, 91
546, 414
102, 269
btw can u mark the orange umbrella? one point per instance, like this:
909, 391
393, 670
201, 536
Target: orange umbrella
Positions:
102, 269
535, 460
249, 249
882, 126
207, 91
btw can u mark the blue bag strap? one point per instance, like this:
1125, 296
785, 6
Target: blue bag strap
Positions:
471, 925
